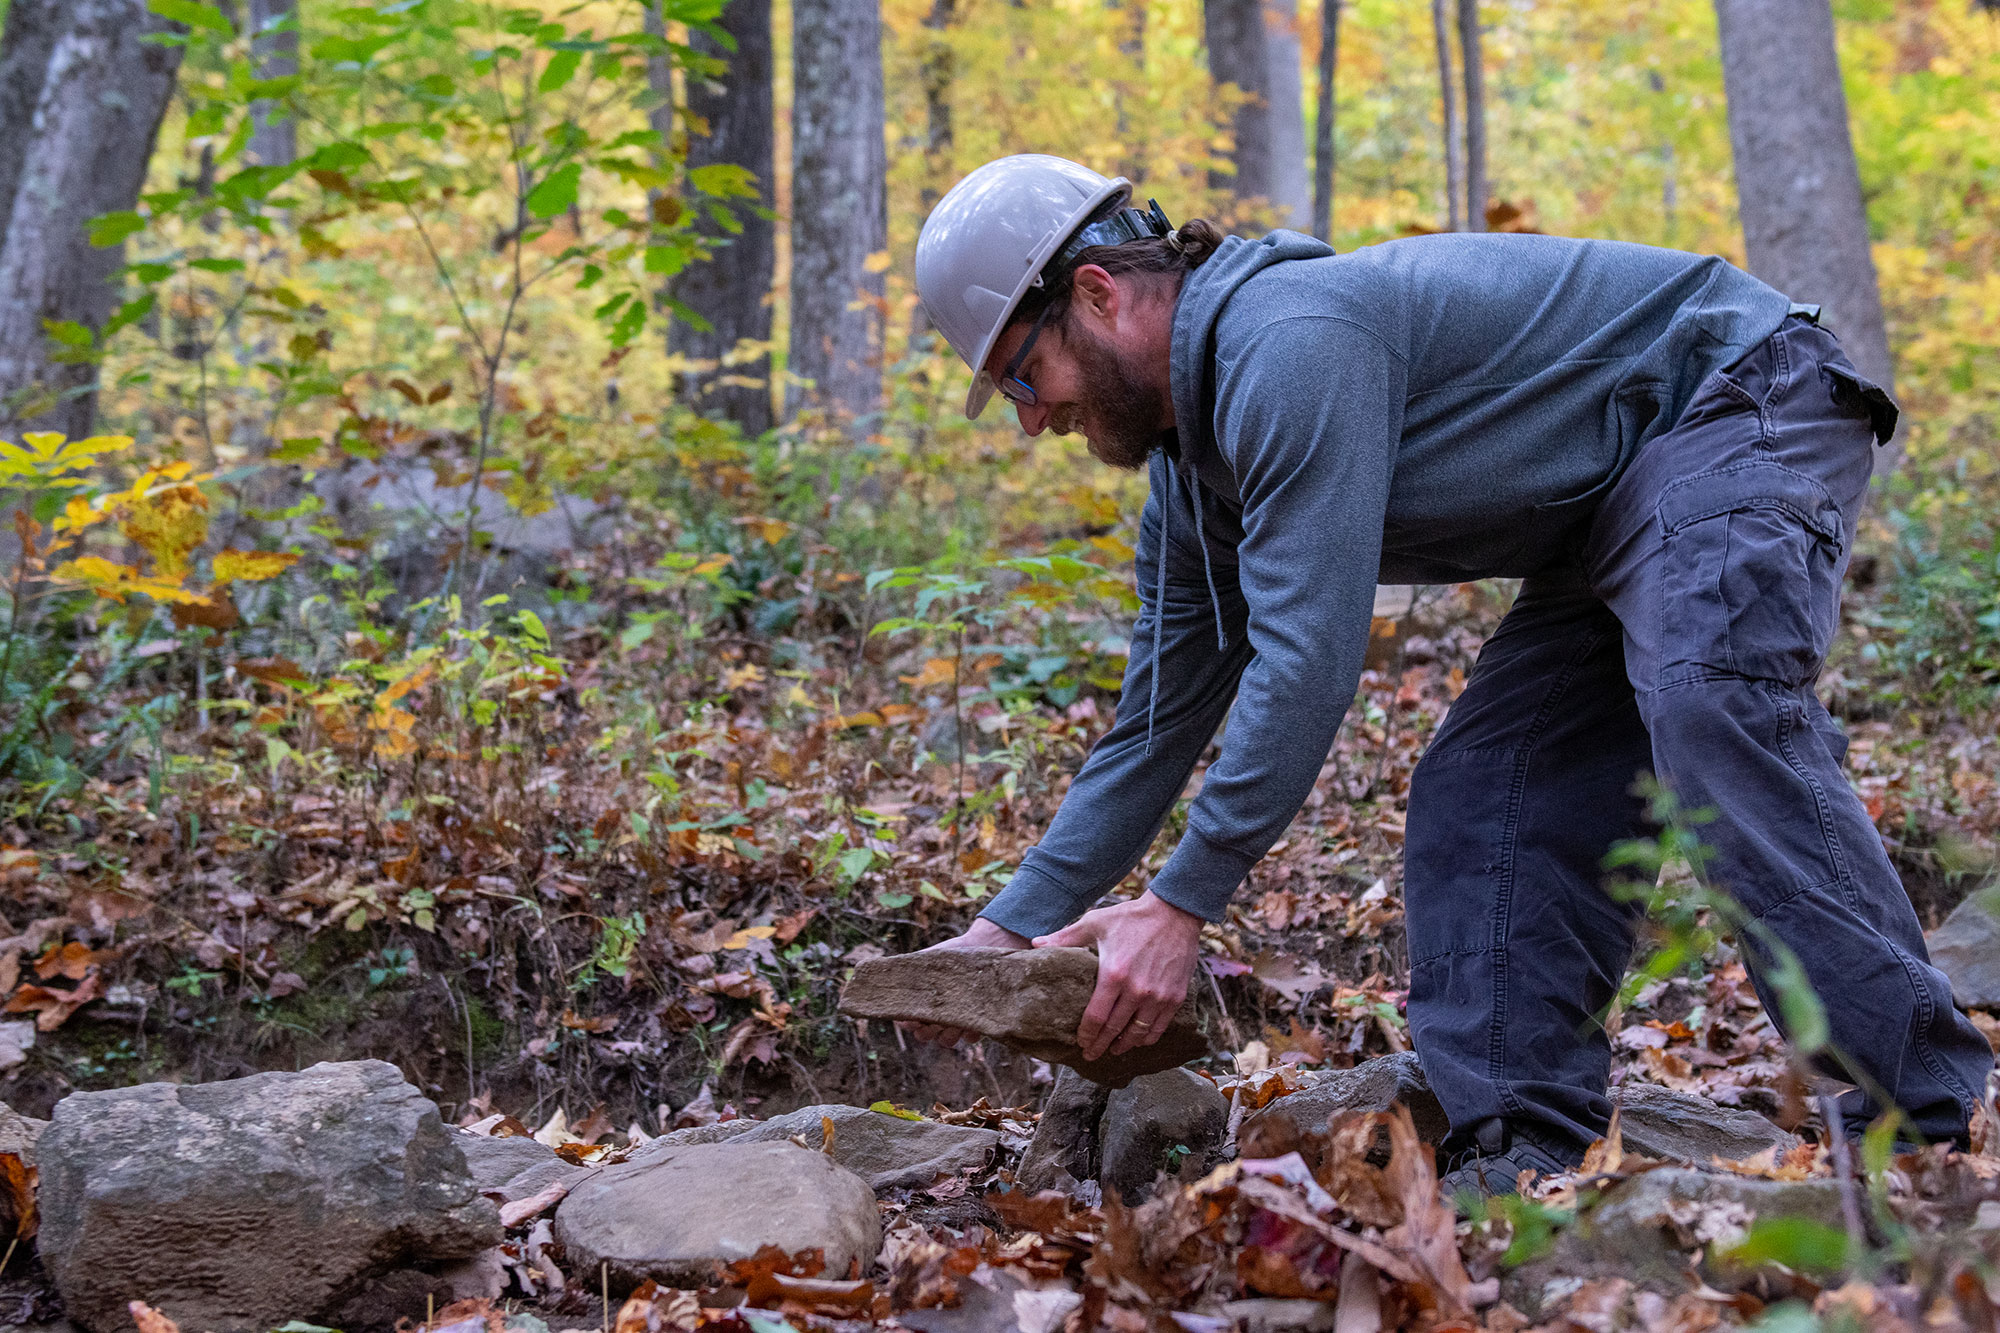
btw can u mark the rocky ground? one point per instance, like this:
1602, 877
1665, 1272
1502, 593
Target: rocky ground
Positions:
1265, 1197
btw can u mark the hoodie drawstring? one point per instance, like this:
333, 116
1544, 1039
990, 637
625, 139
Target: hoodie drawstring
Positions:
1160, 584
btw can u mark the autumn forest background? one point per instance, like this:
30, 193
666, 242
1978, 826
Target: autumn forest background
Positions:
499, 580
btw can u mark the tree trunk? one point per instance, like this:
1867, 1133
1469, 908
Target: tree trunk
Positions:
840, 205
1329, 65
1254, 44
275, 142
940, 67
1454, 205
96, 93
1475, 115
731, 290
1805, 224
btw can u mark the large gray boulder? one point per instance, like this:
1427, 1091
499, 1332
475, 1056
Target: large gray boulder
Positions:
513, 1167
1681, 1127
238, 1205
887, 1151
1967, 949
1029, 999
683, 1214
1372, 1085
1173, 1122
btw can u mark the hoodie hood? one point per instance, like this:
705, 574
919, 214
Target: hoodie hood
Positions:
1204, 293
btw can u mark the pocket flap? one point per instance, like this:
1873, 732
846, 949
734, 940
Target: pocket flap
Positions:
1754, 484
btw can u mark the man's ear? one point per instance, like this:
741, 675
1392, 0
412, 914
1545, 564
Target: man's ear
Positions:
1096, 294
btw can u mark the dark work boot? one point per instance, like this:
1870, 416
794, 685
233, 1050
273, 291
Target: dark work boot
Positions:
1493, 1165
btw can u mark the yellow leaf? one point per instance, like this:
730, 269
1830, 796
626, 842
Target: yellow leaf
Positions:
78, 515
936, 671
108, 579
890, 1108
711, 565
773, 530
415, 680
877, 262
859, 720
251, 566
735, 678
742, 938
168, 522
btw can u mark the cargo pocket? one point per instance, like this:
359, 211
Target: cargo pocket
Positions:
1749, 584
1859, 397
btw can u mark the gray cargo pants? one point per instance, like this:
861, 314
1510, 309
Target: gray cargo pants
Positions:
1683, 638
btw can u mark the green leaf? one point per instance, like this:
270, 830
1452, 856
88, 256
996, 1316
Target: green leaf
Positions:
561, 69
109, 229
67, 332
557, 192
854, 863
217, 265
1799, 1243
890, 1108
724, 180
130, 313
193, 13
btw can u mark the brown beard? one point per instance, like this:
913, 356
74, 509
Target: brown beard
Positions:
1123, 408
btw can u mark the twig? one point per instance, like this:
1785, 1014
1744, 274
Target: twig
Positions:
1843, 1170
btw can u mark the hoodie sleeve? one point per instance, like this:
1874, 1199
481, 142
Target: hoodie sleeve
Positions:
1308, 413
1121, 796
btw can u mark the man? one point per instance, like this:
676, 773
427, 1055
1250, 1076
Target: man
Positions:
1668, 452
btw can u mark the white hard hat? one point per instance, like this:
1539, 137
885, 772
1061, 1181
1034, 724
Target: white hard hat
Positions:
987, 241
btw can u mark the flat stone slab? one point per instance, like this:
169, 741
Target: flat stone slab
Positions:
683, 1214
1654, 1122
1372, 1085
1683, 1127
1966, 949
1028, 999
511, 1166
887, 1151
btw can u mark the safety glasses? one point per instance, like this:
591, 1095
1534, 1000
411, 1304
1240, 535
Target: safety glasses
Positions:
1010, 385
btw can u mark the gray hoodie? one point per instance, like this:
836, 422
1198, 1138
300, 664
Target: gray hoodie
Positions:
1430, 410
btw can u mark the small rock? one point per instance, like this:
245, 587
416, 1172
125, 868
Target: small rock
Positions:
17, 1038
513, 1167
18, 1133
1372, 1085
1966, 949
482, 1277
998, 1300
1643, 1224
238, 1205
1064, 1149
681, 1215
1681, 1127
1029, 999
1173, 1121
1266, 1314
887, 1151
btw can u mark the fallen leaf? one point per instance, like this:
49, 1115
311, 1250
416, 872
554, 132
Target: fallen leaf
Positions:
520, 1210
17, 1196
150, 1320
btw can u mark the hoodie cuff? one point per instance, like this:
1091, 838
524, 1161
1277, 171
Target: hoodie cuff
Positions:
1032, 904
1201, 876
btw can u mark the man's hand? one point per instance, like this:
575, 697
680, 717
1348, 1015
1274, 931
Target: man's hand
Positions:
983, 935
1146, 952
